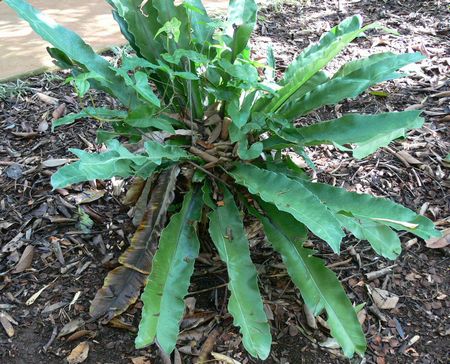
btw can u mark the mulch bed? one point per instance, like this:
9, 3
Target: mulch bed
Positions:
51, 263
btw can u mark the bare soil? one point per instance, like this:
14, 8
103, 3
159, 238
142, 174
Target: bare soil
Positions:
68, 264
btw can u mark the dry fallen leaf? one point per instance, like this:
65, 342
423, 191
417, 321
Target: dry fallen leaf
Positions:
25, 260
88, 196
225, 359
43, 126
5, 224
81, 333
362, 315
383, 299
71, 327
310, 318
408, 157
141, 360
177, 357
330, 343
79, 354
47, 99
6, 325
442, 242
34, 297
59, 112
119, 324
445, 119
50, 163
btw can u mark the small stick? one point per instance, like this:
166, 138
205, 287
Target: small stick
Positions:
203, 155
191, 124
210, 165
209, 173
379, 273
208, 346
337, 264
207, 289
52, 337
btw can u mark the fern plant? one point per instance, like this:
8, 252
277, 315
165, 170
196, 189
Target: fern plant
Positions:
193, 100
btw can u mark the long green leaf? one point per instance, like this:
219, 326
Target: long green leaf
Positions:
123, 25
291, 196
199, 19
142, 24
241, 21
245, 303
366, 131
360, 75
168, 282
315, 57
75, 48
92, 112
318, 285
372, 208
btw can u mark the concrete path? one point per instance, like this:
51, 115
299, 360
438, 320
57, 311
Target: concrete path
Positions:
23, 53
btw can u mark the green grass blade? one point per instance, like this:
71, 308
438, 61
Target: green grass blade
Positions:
291, 196
318, 285
245, 303
168, 282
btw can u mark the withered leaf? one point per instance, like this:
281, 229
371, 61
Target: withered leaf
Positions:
59, 112
25, 260
119, 324
383, 299
6, 325
408, 157
47, 99
79, 334
122, 286
50, 163
5, 224
140, 360
120, 289
196, 319
144, 242
224, 359
79, 354
141, 203
88, 196
442, 242
43, 126
134, 192
71, 327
